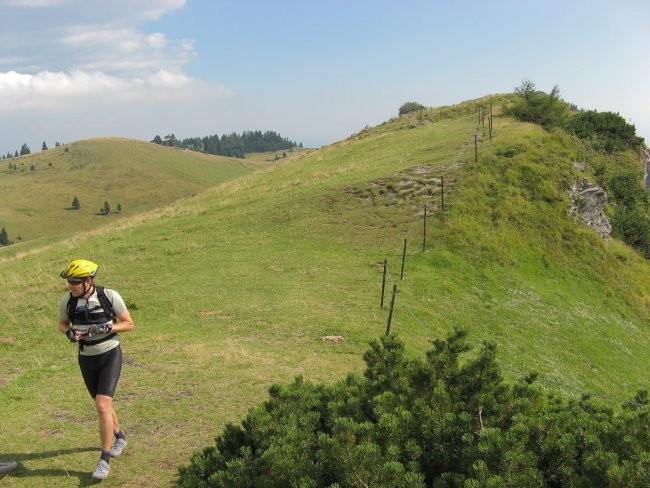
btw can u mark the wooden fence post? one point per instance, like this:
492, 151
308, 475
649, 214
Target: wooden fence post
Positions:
401, 275
383, 283
424, 230
390, 311
490, 118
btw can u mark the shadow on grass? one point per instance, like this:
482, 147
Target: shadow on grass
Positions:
21, 471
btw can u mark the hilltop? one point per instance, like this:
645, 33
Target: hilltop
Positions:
36, 196
246, 283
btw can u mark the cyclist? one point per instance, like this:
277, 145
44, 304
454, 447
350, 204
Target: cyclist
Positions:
91, 317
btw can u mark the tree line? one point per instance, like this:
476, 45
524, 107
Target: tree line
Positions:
231, 145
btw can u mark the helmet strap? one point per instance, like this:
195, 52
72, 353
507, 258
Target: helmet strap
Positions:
88, 291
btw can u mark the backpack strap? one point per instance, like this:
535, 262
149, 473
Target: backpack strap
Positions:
106, 304
72, 306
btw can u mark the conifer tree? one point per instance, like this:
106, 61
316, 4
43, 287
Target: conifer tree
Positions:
4, 238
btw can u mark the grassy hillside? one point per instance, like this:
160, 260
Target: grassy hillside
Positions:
236, 288
36, 197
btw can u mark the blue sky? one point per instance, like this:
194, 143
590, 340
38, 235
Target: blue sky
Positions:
314, 71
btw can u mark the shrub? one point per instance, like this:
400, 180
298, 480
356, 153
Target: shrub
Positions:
538, 107
409, 107
632, 226
626, 188
444, 421
605, 131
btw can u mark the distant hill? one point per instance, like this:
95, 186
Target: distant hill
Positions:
36, 197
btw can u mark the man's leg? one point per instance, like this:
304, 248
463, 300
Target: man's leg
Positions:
107, 419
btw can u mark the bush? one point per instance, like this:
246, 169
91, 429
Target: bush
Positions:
445, 421
409, 107
632, 226
627, 190
606, 131
538, 107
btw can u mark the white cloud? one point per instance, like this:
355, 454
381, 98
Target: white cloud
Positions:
143, 9
31, 3
66, 35
157, 8
78, 53
55, 90
156, 40
126, 39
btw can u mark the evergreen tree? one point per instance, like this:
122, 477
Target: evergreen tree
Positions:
76, 204
107, 208
170, 140
44, 147
4, 238
24, 150
538, 107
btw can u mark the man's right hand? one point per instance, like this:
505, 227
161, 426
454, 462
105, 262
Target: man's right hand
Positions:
71, 335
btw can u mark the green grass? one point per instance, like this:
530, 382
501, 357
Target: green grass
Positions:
235, 288
36, 198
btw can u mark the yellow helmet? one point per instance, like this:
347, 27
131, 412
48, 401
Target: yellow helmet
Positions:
80, 268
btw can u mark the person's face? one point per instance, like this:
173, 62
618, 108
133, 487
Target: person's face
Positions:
76, 286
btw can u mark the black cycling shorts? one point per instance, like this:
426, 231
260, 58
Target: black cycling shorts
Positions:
101, 372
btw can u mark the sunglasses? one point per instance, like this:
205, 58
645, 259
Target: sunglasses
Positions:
75, 282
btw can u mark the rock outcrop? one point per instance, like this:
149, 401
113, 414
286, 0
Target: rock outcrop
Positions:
587, 204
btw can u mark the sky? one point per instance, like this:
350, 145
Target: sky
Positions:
315, 71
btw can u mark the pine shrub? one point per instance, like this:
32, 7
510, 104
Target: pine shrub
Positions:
445, 421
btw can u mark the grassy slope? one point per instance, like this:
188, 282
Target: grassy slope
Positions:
138, 175
233, 290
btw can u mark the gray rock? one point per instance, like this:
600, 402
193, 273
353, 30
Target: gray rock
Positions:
587, 203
